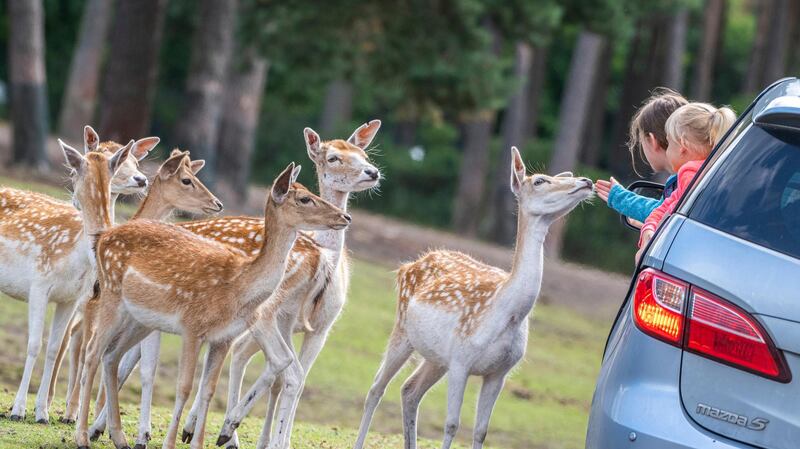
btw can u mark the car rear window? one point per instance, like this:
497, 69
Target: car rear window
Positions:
755, 192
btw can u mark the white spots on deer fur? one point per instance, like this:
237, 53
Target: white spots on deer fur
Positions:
259, 237
251, 235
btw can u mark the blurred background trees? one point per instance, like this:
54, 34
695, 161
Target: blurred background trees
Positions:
456, 83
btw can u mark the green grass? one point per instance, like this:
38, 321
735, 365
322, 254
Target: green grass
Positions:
543, 405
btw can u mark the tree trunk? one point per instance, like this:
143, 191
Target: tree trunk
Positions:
337, 109
515, 124
775, 57
84, 73
676, 47
28, 111
129, 79
477, 135
197, 128
241, 110
572, 118
593, 134
536, 80
706, 56
754, 80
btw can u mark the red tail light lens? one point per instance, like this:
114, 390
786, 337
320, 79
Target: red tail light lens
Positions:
724, 332
717, 329
658, 305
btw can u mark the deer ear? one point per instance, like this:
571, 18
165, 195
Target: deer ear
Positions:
90, 139
175, 151
197, 165
296, 173
313, 144
565, 174
171, 165
517, 171
144, 146
280, 188
74, 157
364, 134
119, 158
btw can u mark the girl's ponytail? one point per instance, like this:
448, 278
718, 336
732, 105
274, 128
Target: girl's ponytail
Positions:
721, 120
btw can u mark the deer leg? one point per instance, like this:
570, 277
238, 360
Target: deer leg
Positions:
278, 356
126, 365
490, 390
186, 367
62, 350
76, 353
214, 361
132, 335
456, 383
243, 351
272, 401
150, 350
37, 309
414, 389
289, 395
397, 353
61, 318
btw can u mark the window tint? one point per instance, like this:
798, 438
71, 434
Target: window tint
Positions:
754, 194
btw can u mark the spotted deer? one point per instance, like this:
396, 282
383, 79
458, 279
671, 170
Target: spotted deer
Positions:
174, 186
312, 294
44, 257
468, 318
155, 276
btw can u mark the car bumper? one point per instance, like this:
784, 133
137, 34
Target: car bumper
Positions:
637, 400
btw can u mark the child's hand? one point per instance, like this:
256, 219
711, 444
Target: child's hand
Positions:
604, 187
646, 237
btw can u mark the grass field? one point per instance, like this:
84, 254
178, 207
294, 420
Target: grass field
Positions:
544, 404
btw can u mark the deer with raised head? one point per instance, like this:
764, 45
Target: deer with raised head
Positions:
154, 276
45, 257
312, 293
175, 186
468, 318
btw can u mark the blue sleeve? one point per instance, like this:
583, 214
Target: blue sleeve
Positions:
630, 204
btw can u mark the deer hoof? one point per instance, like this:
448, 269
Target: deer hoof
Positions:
223, 439
186, 437
15, 418
96, 435
65, 420
140, 446
42, 421
233, 446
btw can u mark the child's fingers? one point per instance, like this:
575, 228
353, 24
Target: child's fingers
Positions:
614, 181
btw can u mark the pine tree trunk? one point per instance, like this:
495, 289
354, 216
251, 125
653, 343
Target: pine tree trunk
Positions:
477, 135
514, 127
28, 112
80, 97
337, 109
536, 80
754, 80
593, 137
241, 110
676, 48
129, 78
197, 128
707, 54
775, 57
573, 114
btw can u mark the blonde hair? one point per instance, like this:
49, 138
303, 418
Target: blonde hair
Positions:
699, 126
652, 118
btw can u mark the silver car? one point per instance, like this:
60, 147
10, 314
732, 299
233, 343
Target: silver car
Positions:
705, 351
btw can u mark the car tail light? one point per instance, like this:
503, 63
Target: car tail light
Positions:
658, 305
709, 326
724, 332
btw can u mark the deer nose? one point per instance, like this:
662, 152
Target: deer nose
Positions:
141, 180
586, 180
372, 173
347, 218
218, 203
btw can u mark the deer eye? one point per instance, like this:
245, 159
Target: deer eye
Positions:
333, 159
186, 181
539, 181
305, 200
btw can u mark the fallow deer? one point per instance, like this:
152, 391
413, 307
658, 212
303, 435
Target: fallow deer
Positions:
154, 276
313, 291
44, 257
468, 318
174, 186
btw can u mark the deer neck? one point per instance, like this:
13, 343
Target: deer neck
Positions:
112, 207
333, 240
265, 272
153, 206
96, 217
523, 285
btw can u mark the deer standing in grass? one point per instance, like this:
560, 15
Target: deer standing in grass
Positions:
312, 293
467, 318
45, 257
154, 276
175, 186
